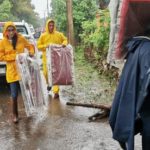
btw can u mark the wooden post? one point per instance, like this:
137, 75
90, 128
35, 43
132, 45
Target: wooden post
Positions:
100, 106
70, 22
105, 110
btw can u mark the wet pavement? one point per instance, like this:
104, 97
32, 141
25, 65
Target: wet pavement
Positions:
59, 127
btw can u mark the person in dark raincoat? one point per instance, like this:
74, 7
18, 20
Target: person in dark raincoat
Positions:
130, 112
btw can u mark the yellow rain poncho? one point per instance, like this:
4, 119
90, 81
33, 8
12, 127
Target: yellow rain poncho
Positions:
8, 53
46, 39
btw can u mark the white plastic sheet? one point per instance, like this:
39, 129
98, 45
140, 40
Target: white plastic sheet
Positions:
114, 8
33, 87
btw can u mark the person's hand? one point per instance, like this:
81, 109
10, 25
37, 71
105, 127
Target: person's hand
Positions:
46, 46
63, 45
31, 55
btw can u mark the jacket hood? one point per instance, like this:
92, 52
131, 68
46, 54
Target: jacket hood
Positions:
46, 28
7, 24
133, 43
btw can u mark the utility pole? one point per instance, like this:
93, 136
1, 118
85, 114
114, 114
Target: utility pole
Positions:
47, 9
70, 22
44, 18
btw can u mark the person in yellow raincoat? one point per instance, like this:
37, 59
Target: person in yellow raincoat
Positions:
12, 44
50, 36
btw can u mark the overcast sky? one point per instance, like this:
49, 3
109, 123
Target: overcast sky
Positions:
41, 7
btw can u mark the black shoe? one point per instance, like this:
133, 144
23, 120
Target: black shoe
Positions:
49, 88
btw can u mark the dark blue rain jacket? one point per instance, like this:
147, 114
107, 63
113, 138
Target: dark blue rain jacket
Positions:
131, 92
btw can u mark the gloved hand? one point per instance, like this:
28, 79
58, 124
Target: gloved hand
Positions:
63, 45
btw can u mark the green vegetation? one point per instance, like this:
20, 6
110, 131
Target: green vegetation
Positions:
59, 14
82, 11
89, 86
18, 10
5, 8
91, 32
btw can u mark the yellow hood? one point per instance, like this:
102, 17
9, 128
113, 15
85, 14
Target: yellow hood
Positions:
46, 28
7, 24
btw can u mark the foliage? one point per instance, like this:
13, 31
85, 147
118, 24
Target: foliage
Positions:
101, 35
95, 40
84, 10
97, 36
85, 72
89, 28
81, 13
5, 8
24, 13
18, 10
91, 33
58, 13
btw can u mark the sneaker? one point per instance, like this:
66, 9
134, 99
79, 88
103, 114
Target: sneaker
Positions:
56, 95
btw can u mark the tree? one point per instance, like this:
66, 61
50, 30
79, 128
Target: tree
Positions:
70, 22
5, 8
24, 10
82, 11
58, 13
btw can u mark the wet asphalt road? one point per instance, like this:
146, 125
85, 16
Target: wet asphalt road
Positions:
60, 127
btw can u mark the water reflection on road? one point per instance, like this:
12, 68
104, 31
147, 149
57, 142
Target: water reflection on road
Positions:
61, 127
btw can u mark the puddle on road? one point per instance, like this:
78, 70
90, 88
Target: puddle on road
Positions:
59, 127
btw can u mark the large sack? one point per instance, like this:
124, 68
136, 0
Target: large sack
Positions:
60, 65
32, 84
